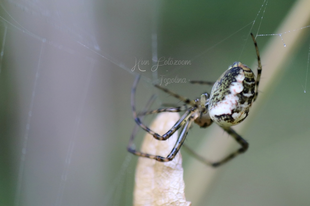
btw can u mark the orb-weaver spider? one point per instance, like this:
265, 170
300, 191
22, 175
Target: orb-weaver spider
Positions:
231, 97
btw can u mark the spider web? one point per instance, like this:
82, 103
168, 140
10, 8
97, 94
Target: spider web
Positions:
66, 72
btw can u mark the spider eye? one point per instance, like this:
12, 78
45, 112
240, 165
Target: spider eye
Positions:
232, 95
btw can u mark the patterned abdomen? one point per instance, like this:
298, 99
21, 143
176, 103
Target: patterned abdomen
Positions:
232, 95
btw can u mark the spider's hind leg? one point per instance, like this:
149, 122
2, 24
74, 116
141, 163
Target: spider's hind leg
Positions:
259, 68
243, 143
244, 146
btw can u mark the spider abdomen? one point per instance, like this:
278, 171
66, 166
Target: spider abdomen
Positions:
232, 95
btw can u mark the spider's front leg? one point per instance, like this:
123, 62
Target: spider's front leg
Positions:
175, 149
168, 134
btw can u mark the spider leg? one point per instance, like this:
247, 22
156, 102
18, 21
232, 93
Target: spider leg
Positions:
180, 140
197, 156
170, 109
183, 99
243, 143
135, 129
168, 134
174, 150
259, 68
238, 138
170, 105
201, 82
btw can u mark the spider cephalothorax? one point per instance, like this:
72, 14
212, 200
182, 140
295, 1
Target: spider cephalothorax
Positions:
231, 97
202, 117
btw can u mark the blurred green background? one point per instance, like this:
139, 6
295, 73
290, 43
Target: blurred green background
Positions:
65, 97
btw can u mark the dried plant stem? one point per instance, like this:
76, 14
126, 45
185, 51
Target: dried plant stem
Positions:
158, 183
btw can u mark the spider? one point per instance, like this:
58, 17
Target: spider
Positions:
228, 104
